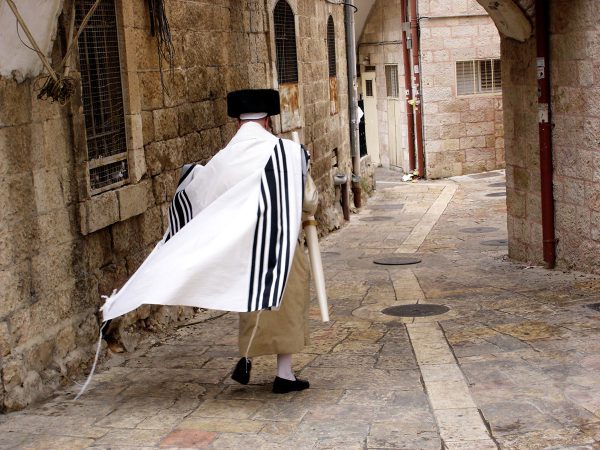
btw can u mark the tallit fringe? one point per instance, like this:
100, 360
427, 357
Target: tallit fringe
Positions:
106, 298
252, 335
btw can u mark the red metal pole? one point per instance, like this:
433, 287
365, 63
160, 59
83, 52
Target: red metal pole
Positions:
410, 120
545, 132
416, 50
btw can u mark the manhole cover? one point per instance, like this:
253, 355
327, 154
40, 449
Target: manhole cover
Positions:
496, 194
375, 219
329, 254
386, 207
495, 242
594, 306
484, 175
478, 230
397, 261
503, 184
422, 310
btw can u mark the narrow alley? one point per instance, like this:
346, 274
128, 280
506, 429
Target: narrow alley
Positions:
513, 363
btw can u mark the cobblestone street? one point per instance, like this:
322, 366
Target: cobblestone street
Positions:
512, 364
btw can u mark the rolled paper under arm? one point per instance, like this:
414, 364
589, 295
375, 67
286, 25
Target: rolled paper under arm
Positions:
316, 266
314, 254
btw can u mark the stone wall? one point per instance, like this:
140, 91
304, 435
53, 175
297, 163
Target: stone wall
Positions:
575, 96
462, 133
62, 248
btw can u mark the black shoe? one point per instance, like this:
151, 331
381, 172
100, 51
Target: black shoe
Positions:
283, 386
241, 373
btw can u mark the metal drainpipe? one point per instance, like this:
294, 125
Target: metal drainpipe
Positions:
545, 132
416, 51
410, 120
352, 99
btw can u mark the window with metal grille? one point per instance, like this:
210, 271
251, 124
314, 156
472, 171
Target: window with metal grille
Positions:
391, 80
285, 43
481, 76
331, 47
102, 96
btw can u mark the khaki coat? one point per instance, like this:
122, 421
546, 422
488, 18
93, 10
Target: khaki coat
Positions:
285, 330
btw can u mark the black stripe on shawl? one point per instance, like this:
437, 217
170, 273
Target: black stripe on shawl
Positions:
282, 231
271, 185
274, 217
185, 175
265, 219
287, 216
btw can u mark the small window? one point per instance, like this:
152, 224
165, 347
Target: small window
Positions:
285, 43
391, 80
331, 47
102, 96
369, 88
481, 76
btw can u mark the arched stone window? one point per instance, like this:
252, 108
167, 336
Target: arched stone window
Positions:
285, 43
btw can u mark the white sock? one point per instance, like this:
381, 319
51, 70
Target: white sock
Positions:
284, 367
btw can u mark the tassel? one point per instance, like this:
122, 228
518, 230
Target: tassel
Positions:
98, 348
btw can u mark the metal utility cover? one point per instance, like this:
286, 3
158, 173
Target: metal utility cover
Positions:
397, 261
485, 175
478, 230
387, 207
496, 242
376, 219
418, 310
594, 306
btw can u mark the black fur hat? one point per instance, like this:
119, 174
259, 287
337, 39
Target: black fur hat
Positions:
253, 101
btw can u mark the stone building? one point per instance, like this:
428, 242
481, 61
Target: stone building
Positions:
461, 86
84, 187
573, 35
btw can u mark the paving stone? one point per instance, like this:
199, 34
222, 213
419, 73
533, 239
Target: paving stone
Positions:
517, 344
188, 439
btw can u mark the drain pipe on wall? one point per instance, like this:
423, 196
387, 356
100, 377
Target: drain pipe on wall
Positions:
545, 132
349, 9
410, 120
416, 52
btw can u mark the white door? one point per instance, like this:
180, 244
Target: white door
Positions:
395, 132
369, 93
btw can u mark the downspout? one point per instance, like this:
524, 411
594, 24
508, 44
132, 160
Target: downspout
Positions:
349, 9
545, 132
410, 120
416, 52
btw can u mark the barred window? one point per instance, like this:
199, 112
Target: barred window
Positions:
482, 76
391, 80
331, 47
285, 43
102, 96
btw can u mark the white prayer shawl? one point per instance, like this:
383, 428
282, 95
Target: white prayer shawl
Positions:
242, 214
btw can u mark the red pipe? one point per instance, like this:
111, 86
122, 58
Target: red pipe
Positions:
410, 120
545, 132
416, 51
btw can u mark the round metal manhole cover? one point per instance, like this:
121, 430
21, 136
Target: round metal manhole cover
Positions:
496, 194
503, 184
397, 261
391, 207
422, 310
478, 230
496, 242
375, 219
